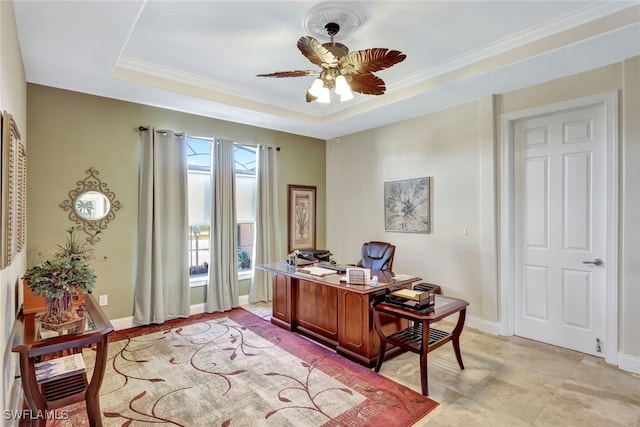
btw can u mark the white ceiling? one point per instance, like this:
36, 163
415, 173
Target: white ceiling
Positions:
202, 57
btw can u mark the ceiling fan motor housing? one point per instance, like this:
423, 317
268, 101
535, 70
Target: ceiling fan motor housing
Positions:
338, 49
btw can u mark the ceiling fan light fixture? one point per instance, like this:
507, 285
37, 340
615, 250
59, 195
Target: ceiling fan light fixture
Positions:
346, 96
316, 88
342, 87
324, 97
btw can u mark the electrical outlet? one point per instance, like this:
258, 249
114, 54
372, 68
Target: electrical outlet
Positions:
103, 300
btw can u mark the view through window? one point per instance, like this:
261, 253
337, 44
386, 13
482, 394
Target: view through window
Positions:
199, 181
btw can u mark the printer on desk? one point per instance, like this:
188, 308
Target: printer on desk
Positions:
309, 256
321, 255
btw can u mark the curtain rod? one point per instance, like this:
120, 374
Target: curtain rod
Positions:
162, 131
145, 129
256, 146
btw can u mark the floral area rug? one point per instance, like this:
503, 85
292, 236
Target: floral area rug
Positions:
236, 369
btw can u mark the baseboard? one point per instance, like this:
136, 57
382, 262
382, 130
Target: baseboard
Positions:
243, 299
485, 326
629, 363
127, 322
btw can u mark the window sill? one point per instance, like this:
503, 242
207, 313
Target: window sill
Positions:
196, 282
244, 275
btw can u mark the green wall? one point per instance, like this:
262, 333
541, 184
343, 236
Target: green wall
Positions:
70, 132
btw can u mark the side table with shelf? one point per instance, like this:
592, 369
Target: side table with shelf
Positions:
411, 338
32, 344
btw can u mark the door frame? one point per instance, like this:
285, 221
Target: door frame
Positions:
507, 213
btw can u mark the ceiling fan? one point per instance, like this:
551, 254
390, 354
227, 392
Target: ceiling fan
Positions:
342, 71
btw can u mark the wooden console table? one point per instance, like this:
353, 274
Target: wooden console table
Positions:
332, 312
411, 338
28, 340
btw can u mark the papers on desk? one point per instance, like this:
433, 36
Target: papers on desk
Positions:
60, 367
315, 271
401, 277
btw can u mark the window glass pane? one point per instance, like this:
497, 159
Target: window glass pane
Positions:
199, 182
199, 251
245, 158
199, 153
245, 197
245, 246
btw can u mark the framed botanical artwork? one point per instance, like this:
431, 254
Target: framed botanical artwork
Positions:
301, 217
406, 205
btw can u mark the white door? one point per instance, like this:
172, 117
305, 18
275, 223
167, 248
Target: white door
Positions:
560, 228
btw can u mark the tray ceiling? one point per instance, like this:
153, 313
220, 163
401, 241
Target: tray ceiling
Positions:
202, 57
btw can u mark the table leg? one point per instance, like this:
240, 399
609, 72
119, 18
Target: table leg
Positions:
93, 391
383, 339
32, 394
424, 373
456, 336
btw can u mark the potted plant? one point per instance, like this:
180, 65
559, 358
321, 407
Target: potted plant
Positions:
58, 279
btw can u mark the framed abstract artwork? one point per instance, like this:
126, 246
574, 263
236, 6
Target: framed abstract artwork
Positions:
301, 217
407, 205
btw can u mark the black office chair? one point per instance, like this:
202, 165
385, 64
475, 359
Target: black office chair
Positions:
377, 256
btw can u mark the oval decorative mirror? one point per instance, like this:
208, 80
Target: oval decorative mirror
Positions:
91, 205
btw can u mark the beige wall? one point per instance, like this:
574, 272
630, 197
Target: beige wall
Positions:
70, 132
630, 212
458, 148
446, 146
12, 100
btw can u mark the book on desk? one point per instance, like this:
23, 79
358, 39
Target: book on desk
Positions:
422, 301
315, 271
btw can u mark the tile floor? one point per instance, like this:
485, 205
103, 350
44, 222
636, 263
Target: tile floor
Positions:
512, 381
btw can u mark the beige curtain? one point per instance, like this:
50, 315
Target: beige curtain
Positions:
267, 242
222, 292
162, 283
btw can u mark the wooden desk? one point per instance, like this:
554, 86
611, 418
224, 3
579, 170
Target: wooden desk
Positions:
334, 313
410, 338
27, 341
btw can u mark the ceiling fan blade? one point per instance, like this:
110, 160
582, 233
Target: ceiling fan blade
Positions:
296, 73
316, 53
371, 60
367, 84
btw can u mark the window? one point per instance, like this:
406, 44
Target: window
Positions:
199, 181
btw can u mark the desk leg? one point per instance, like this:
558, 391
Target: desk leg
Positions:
32, 394
424, 372
93, 391
383, 339
456, 336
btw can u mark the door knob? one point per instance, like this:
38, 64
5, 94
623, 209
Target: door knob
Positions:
596, 261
